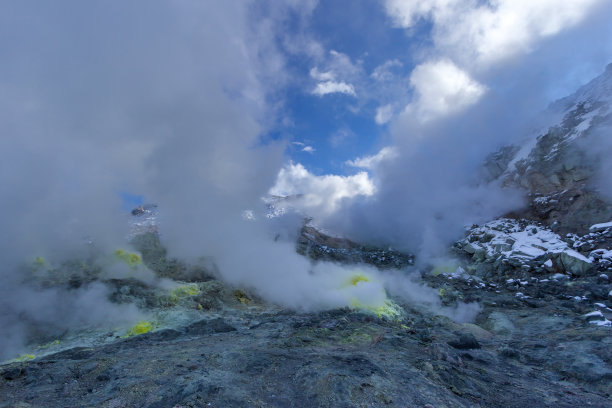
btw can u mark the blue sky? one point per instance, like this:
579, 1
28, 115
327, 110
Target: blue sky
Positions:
337, 126
413, 44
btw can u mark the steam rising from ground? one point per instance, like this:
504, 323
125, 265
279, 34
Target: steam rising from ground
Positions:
94, 104
172, 107
169, 99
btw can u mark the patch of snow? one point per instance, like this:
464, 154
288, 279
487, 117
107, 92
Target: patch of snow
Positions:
602, 323
521, 242
601, 254
248, 215
541, 200
600, 227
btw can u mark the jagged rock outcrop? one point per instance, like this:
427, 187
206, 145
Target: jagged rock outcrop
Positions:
317, 245
557, 166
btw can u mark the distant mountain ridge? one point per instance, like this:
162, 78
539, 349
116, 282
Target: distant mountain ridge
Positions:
557, 167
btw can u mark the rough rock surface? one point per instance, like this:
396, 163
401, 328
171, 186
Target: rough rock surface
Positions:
539, 340
542, 338
319, 246
543, 355
557, 165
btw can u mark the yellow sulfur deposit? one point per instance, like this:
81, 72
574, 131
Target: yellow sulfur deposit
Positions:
40, 261
39, 264
242, 297
139, 328
388, 309
25, 357
355, 279
186, 290
183, 291
47, 345
130, 258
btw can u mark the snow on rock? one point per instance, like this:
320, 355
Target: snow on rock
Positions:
598, 318
523, 244
601, 227
601, 254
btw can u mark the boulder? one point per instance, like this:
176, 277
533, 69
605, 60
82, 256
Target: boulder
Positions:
573, 262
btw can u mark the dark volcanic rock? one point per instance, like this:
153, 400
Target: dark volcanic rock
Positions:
318, 246
209, 327
330, 359
465, 341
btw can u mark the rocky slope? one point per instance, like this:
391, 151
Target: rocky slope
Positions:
557, 166
542, 337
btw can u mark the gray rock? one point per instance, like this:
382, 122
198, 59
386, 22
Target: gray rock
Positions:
572, 264
465, 341
204, 327
499, 323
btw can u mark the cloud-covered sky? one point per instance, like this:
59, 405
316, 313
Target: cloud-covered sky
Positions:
417, 93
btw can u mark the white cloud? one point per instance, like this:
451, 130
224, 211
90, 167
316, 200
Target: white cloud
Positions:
383, 114
342, 65
384, 72
371, 162
341, 137
337, 76
329, 87
322, 76
406, 13
304, 147
321, 195
442, 88
481, 34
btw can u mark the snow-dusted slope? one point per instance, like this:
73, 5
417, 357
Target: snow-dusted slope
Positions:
583, 111
557, 166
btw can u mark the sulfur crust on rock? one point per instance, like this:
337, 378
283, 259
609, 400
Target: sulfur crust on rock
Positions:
388, 309
130, 258
182, 291
355, 279
25, 357
139, 328
47, 345
242, 297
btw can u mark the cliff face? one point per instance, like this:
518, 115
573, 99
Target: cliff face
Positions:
561, 168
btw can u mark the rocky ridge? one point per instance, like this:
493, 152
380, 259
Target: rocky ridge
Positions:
556, 165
